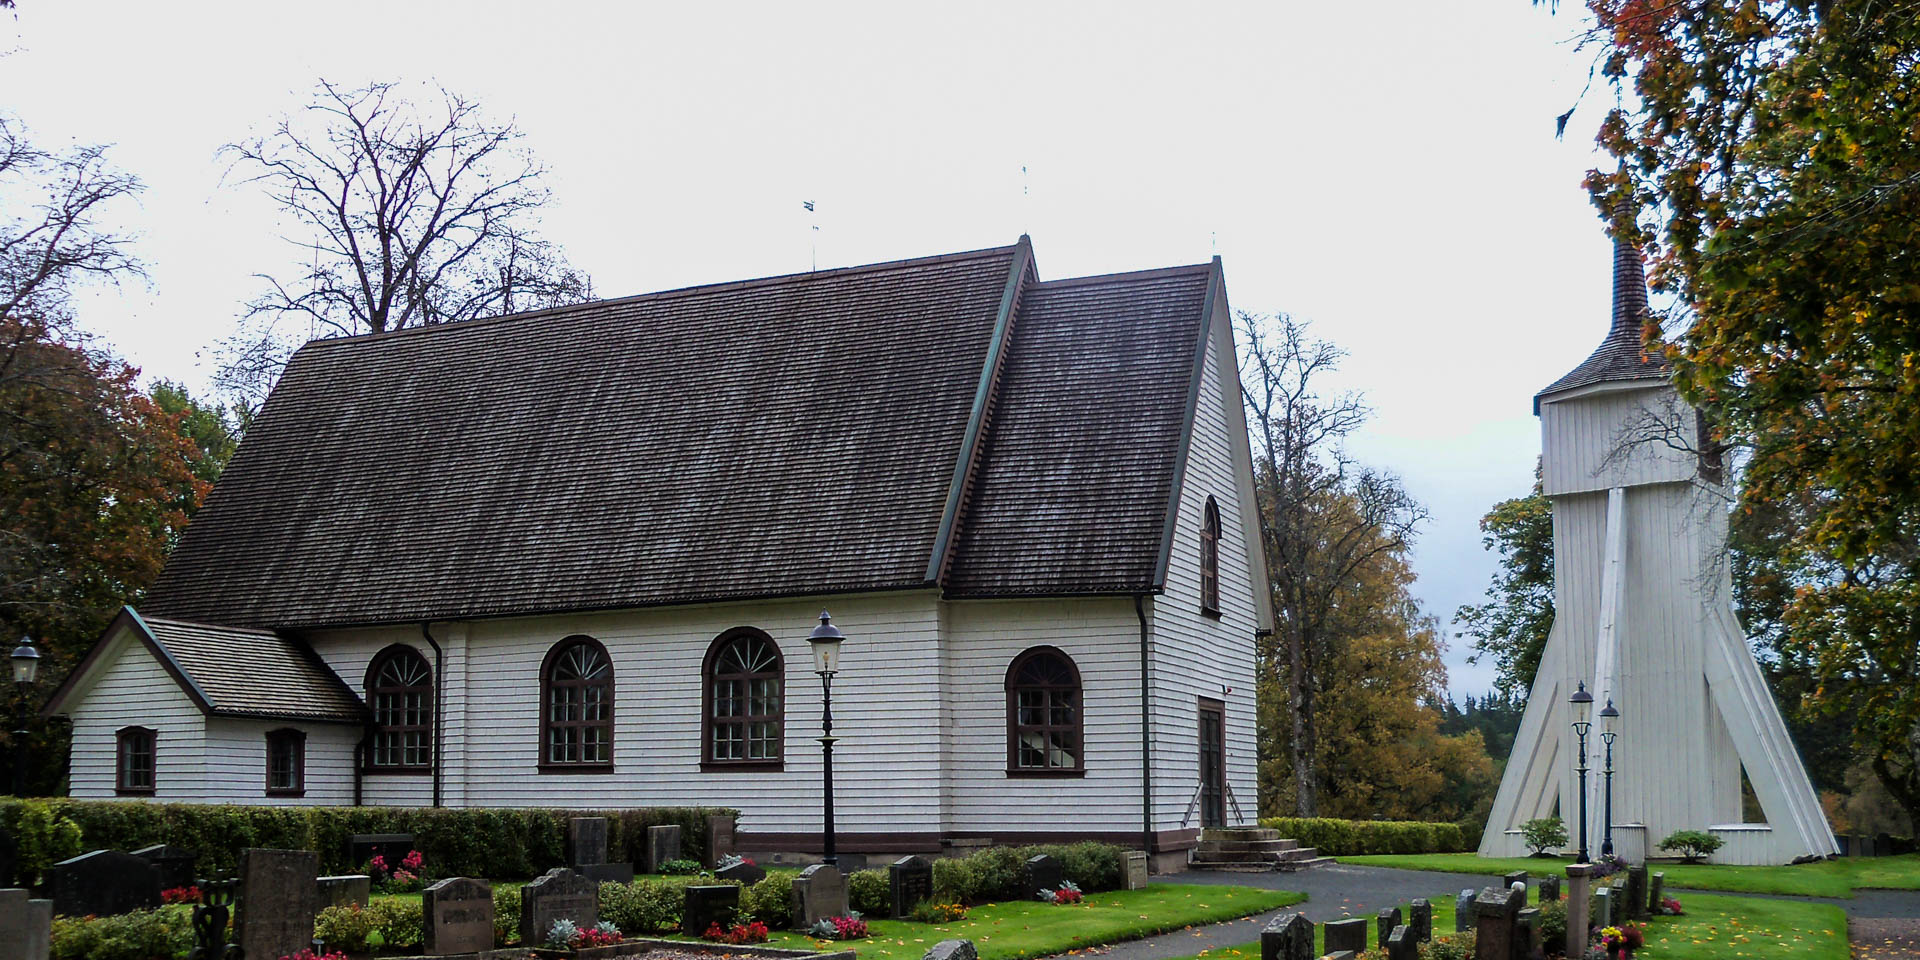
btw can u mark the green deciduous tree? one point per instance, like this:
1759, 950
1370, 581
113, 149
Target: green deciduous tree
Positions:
1511, 627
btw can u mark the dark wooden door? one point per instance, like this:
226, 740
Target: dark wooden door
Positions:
1213, 764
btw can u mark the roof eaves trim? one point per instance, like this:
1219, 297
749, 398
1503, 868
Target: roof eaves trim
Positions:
129, 619
982, 401
1215, 283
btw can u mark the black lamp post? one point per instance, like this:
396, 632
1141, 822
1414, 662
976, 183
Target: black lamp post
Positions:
1582, 702
1608, 716
826, 662
26, 665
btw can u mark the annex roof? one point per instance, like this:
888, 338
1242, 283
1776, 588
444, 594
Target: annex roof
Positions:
228, 671
1622, 355
889, 426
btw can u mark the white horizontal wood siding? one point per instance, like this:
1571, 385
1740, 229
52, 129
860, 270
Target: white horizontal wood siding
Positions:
237, 762
1197, 656
134, 689
983, 638
349, 653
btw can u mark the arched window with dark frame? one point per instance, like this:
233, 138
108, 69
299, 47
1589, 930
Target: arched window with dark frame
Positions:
286, 763
1046, 725
743, 718
136, 761
1210, 559
576, 714
400, 691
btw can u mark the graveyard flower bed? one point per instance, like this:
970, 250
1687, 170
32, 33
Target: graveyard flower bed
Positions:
1067, 894
310, 955
566, 935
406, 876
1621, 942
1669, 907
188, 894
755, 932
848, 927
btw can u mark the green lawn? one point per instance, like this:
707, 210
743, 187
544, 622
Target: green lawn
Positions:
1827, 878
1014, 931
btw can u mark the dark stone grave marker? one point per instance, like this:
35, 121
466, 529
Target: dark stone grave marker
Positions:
178, 868
1526, 934
909, 883
719, 839
1043, 873
819, 893
459, 916
1420, 919
1463, 911
1494, 914
362, 847
1656, 891
1401, 944
1636, 893
1549, 888
1603, 906
279, 894
952, 950
709, 905
587, 840
103, 883
559, 894
1519, 877
1348, 934
1288, 936
1383, 924
663, 844
747, 873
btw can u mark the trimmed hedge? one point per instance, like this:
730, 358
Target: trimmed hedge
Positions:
999, 873
495, 843
1337, 838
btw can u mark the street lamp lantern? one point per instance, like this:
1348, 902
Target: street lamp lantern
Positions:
826, 640
26, 662
1609, 718
1582, 704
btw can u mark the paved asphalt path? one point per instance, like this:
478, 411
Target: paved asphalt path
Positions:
1881, 923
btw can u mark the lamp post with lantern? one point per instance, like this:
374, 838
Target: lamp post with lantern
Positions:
26, 666
1609, 718
826, 639
1582, 704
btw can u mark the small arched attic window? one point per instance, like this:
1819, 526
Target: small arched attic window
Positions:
1210, 560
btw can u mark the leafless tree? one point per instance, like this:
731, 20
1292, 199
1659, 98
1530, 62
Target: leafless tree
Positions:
404, 214
1314, 544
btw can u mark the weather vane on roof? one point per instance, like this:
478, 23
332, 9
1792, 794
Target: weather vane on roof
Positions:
813, 253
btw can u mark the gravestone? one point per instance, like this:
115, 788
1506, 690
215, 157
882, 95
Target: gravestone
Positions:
178, 868
458, 913
606, 872
1864, 844
909, 883
1603, 907
1420, 919
1656, 892
1577, 914
1383, 924
393, 847
1347, 934
279, 894
719, 839
1401, 944
587, 838
1495, 911
1518, 876
1549, 889
1043, 873
819, 893
559, 894
103, 883
746, 873
1883, 845
708, 905
343, 890
1288, 936
1636, 905
1463, 911
1136, 870
1841, 840
1526, 934
27, 923
952, 950
663, 844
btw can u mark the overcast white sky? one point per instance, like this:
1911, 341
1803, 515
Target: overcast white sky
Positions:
1387, 170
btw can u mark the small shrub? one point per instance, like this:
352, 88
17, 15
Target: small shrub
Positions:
675, 868
1544, 834
647, 905
869, 892
345, 926
1001, 874
1694, 845
771, 900
140, 935
927, 911
1453, 946
955, 880
397, 923
42, 837
1553, 924
506, 916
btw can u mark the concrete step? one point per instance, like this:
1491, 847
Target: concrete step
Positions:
1258, 866
1290, 855
1239, 833
1237, 845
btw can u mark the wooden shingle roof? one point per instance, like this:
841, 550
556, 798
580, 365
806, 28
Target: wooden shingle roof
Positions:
1622, 355
818, 433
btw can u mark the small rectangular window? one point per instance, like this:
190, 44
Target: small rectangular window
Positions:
136, 757
286, 763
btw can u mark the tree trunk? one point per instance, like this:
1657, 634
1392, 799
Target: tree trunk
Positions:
1303, 732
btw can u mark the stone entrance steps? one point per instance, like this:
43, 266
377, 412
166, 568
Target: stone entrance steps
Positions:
1251, 850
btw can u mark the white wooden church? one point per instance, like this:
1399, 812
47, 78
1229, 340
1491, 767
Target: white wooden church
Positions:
572, 558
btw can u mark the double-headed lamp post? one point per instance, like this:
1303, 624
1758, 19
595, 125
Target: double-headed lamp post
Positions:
826, 662
1582, 703
1609, 718
26, 666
